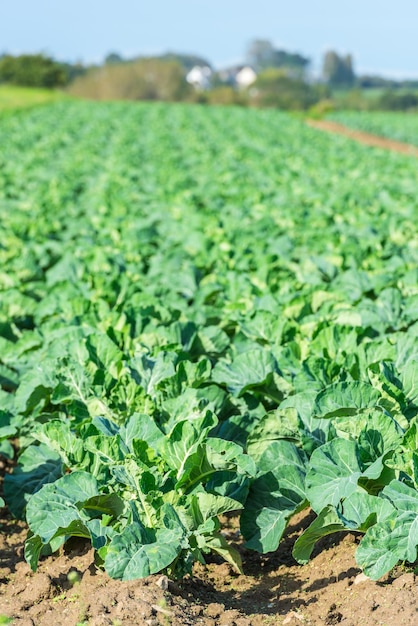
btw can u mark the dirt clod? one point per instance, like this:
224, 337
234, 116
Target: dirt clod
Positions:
334, 616
406, 580
214, 610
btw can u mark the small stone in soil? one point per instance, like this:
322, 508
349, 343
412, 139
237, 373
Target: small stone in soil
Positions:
361, 578
162, 582
292, 616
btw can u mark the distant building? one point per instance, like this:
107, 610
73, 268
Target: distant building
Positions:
200, 77
239, 76
245, 77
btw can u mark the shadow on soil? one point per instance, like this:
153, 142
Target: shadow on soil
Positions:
267, 588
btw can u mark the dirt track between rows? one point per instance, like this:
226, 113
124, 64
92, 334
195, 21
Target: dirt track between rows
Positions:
367, 139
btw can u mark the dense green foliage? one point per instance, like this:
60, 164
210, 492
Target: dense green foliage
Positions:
391, 100
32, 70
273, 88
144, 79
338, 70
397, 126
205, 310
262, 55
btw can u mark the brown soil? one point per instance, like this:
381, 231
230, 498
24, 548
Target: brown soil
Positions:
366, 138
68, 589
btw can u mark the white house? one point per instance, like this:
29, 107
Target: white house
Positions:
240, 76
245, 77
199, 77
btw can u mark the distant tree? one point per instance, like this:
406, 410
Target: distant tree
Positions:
32, 70
73, 70
113, 58
187, 61
261, 55
373, 82
274, 88
392, 101
338, 70
145, 79
294, 63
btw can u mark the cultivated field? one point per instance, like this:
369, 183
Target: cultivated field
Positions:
12, 98
397, 126
208, 343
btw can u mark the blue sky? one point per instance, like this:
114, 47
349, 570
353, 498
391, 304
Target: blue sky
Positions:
381, 34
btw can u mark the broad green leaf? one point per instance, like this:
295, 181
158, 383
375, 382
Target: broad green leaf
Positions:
313, 431
274, 496
405, 456
282, 453
211, 505
248, 370
105, 353
280, 424
141, 427
395, 538
409, 377
100, 534
217, 543
227, 455
361, 510
106, 450
184, 440
56, 505
7, 428
151, 372
334, 471
104, 504
326, 523
213, 339
33, 549
38, 465
404, 498
74, 449
195, 470
379, 434
228, 483
375, 421
387, 543
59, 437
136, 553
263, 526
347, 398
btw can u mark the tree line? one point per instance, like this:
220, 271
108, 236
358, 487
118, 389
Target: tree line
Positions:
282, 79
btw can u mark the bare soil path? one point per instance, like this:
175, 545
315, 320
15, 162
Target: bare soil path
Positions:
367, 139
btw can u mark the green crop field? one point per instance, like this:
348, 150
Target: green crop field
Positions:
13, 97
205, 310
398, 126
